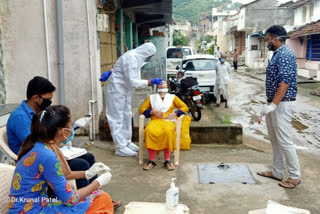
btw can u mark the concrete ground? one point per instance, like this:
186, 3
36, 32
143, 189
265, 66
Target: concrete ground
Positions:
131, 183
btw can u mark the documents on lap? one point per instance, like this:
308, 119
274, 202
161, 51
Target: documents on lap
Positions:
72, 152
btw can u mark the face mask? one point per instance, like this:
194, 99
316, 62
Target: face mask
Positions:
45, 103
270, 46
69, 138
222, 60
163, 90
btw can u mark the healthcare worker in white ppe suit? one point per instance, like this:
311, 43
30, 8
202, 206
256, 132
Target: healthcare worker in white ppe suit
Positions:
123, 81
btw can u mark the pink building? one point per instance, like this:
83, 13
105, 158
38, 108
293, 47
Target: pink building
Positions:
305, 42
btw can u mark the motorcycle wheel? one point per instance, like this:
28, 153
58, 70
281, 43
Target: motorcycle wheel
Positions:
194, 110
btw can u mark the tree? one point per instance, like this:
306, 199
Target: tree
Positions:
208, 38
211, 50
180, 39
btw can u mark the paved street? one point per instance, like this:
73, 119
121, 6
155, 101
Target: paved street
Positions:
247, 99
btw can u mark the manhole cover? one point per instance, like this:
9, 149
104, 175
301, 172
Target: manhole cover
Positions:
223, 173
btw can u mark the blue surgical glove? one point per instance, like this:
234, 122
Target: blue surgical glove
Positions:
156, 81
105, 76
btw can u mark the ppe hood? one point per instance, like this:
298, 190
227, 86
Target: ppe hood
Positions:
142, 52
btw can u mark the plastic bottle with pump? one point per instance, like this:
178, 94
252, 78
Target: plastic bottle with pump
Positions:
172, 196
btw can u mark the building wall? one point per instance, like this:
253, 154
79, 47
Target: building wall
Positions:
298, 48
242, 18
307, 13
222, 41
108, 46
316, 11
25, 52
157, 66
252, 55
262, 14
298, 16
2, 80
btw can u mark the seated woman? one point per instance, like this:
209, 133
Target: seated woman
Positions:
41, 164
160, 132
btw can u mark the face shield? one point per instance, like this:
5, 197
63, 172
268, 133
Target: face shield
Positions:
146, 61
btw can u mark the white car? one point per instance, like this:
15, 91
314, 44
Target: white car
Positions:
174, 57
203, 67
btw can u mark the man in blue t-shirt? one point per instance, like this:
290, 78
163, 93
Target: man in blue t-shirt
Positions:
39, 95
281, 91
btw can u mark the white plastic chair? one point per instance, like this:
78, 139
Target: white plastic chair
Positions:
4, 143
141, 139
6, 174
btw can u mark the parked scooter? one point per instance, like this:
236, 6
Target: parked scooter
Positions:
188, 91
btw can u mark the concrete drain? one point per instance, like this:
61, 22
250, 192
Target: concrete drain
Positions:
223, 173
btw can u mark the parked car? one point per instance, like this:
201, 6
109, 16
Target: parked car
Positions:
203, 67
174, 57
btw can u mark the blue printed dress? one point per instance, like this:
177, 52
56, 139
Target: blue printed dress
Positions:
34, 172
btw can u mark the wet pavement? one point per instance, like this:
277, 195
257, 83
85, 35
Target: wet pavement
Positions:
247, 97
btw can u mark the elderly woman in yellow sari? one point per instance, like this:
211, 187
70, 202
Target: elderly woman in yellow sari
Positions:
160, 133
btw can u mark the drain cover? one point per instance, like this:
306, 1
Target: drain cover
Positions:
215, 173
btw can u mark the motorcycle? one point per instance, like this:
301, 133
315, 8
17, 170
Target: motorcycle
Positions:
188, 91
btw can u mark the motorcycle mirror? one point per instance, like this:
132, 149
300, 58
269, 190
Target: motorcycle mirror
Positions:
177, 68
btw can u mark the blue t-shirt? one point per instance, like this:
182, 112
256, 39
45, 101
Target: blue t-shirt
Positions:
19, 126
282, 68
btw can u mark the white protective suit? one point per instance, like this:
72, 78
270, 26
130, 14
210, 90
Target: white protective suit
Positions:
125, 78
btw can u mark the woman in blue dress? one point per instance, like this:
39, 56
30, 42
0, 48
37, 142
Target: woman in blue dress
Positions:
40, 163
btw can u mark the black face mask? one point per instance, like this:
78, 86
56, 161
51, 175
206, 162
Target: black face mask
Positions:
270, 46
45, 103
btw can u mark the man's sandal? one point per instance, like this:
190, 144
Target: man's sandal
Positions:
290, 183
149, 165
169, 165
268, 174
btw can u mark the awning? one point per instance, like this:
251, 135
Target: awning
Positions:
256, 34
153, 12
308, 29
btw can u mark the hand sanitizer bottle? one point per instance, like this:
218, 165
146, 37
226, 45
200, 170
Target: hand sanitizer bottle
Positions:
172, 195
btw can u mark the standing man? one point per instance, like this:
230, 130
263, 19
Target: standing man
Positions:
281, 90
235, 59
125, 78
218, 53
222, 80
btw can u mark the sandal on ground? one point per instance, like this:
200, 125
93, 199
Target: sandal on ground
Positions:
149, 165
216, 105
116, 204
268, 174
290, 183
169, 165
